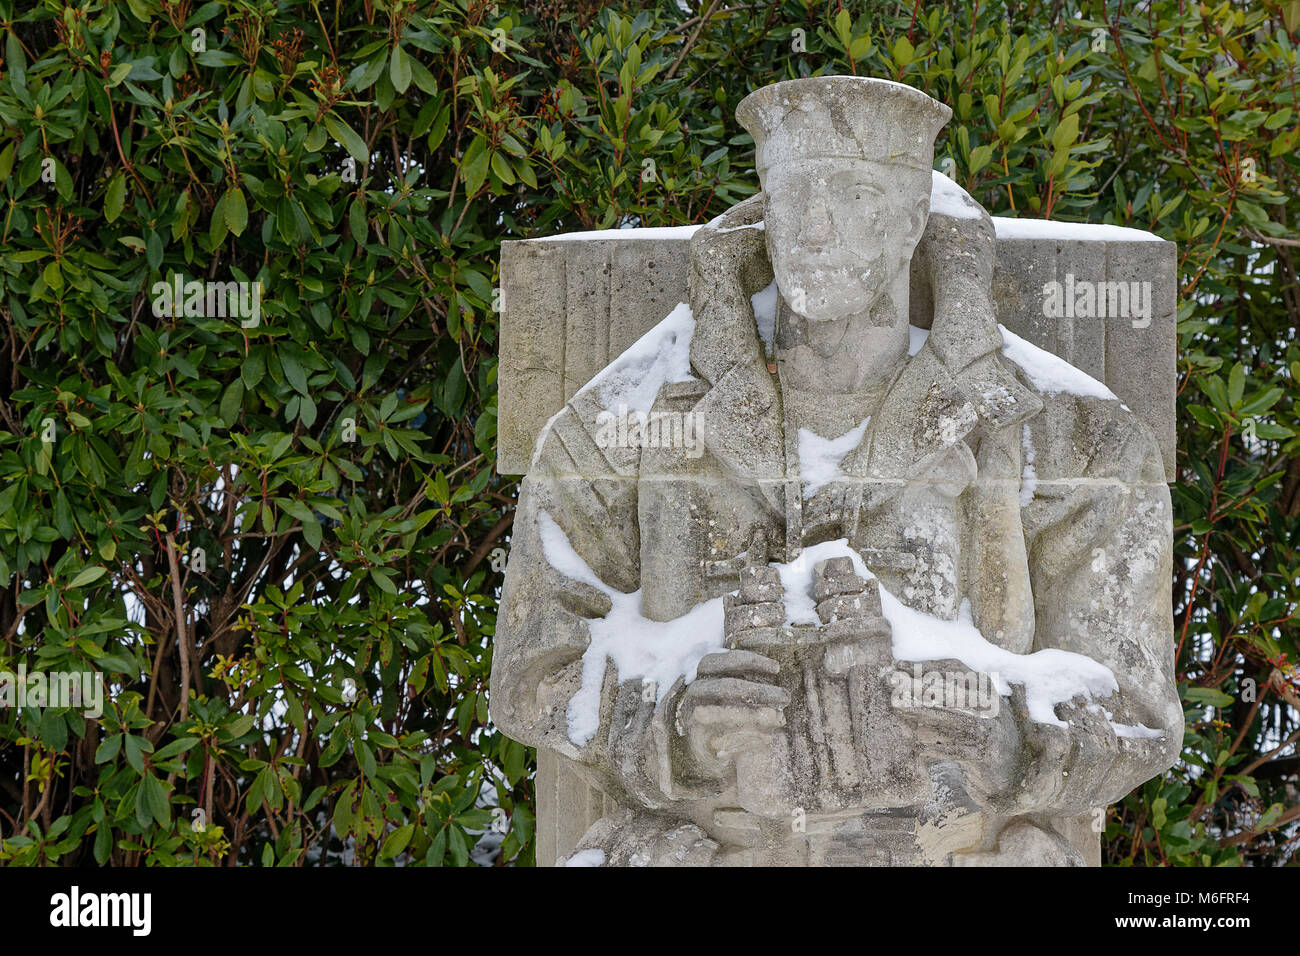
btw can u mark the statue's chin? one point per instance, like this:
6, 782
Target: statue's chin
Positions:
834, 292
852, 300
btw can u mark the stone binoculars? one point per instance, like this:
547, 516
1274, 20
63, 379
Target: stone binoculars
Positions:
837, 675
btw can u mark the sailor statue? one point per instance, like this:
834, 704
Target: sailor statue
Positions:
910, 602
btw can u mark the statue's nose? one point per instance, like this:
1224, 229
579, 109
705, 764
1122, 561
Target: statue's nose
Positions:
816, 227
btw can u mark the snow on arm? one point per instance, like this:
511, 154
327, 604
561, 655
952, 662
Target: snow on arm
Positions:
949, 199
1049, 676
659, 652
664, 651
1050, 373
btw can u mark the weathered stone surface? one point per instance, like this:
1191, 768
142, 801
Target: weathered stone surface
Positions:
906, 601
1142, 359
531, 370
1141, 368
560, 323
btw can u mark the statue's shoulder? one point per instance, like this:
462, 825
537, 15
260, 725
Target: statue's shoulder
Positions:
600, 430
746, 214
1083, 430
736, 233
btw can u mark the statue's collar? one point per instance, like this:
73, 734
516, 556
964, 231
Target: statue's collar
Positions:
927, 402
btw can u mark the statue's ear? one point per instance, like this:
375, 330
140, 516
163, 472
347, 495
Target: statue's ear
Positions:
920, 218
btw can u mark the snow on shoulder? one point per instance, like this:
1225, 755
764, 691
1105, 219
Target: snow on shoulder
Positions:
1050, 373
633, 380
949, 199
656, 359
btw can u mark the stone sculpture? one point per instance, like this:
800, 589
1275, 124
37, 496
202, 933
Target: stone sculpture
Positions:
793, 582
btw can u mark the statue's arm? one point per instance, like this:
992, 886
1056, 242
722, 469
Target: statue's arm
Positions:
579, 502
542, 631
1101, 569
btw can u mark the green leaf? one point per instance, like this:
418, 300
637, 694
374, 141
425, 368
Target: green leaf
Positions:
458, 845
155, 799
1236, 384
107, 750
217, 227
88, 575
115, 197
236, 211
364, 76
342, 132
399, 69
103, 843
397, 841
231, 402
1066, 132
293, 371
1208, 696
474, 165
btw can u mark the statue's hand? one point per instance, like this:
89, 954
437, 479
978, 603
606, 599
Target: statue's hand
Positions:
756, 607
731, 708
825, 515
986, 742
1072, 764
1016, 765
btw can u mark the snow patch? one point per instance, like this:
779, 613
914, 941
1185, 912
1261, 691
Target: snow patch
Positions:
915, 339
643, 232
586, 858
664, 651
764, 302
819, 458
949, 199
1051, 373
1049, 676
658, 358
633, 380
761, 226
655, 651
1138, 731
1077, 231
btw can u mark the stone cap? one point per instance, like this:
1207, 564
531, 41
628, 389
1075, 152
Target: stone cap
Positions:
847, 117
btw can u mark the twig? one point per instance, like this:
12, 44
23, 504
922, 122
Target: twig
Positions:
691, 42
179, 607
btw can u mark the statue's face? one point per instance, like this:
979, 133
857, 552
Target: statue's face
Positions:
839, 232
